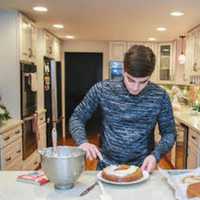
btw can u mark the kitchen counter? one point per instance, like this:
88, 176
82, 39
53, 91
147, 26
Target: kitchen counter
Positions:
155, 188
188, 117
11, 123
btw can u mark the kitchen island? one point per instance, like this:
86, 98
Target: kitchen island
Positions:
155, 188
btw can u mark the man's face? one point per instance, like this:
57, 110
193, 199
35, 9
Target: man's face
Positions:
134, 84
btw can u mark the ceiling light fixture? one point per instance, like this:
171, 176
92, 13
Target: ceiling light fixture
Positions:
40, 9
161, 29
69, 36
176, 13
151, 39
181, 58
58, 26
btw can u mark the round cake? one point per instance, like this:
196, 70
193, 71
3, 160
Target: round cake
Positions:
122, 173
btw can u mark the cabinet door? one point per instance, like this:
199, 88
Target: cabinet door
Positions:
33, 42
56, 49
42, 136
165, 62
25, 39
192, 161
49, 45
117, 50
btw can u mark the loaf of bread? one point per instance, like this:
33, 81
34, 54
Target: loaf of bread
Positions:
193, 190
122, 173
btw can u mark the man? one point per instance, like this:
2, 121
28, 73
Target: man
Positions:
131, 107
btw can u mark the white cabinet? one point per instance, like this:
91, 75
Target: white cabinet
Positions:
193, 160
56, 49
32, 162
166, 62
11, 147
192, 65
49, 45
42, 140
28, 34
52, 46
165, 57
117, 51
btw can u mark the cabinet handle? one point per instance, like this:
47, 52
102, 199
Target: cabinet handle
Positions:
8, 159
41, 118
17, 132
7, 138
19, 151
50, 50
30, 53
25, 54
193, 137
35, 163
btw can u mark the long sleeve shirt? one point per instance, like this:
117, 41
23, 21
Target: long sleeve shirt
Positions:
128, 121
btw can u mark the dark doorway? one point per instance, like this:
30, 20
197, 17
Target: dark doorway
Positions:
82, 71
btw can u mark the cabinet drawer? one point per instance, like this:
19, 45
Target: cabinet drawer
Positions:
194, 137
32, 162
10, 136
15, 165
10, 153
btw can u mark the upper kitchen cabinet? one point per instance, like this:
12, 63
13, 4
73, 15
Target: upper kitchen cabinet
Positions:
28, 34
117, 51
52, 46
56, 49
192, 65
166, 61
49, 44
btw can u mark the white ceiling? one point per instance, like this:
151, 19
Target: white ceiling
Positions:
112, 19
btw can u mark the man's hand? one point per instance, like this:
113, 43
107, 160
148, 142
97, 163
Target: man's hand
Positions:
91, 150
149, 163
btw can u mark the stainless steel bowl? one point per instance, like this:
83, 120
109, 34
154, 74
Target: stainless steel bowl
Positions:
63, 166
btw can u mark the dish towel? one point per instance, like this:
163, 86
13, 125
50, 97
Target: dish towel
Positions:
33, 82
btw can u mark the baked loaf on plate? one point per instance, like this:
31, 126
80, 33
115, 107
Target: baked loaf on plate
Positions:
193, 190
122, 173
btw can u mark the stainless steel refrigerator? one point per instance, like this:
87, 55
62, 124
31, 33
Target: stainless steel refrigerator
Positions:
53, 98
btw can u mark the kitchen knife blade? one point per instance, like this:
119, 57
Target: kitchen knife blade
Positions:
88, 189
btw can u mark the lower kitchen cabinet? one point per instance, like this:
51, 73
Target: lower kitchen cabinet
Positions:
11, 146
42, 140
193, 159
32, 162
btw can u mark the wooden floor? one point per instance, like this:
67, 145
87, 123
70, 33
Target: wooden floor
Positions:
91, 165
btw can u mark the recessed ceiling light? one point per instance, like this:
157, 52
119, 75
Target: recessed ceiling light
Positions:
161, 29
152, 39
177, 13
69, 36
59, 26
40, 9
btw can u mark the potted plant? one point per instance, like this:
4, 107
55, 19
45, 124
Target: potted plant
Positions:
4, 114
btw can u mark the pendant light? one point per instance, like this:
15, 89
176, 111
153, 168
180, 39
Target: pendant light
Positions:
181, 58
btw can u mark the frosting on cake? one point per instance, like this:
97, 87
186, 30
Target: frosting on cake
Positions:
113, 170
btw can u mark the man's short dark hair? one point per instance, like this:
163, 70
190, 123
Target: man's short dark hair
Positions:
139, 61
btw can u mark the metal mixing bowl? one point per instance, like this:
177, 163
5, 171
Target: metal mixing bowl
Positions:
64, 166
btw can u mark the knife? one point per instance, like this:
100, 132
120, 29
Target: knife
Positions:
88, 189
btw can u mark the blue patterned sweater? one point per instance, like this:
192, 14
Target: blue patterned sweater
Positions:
128, 121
